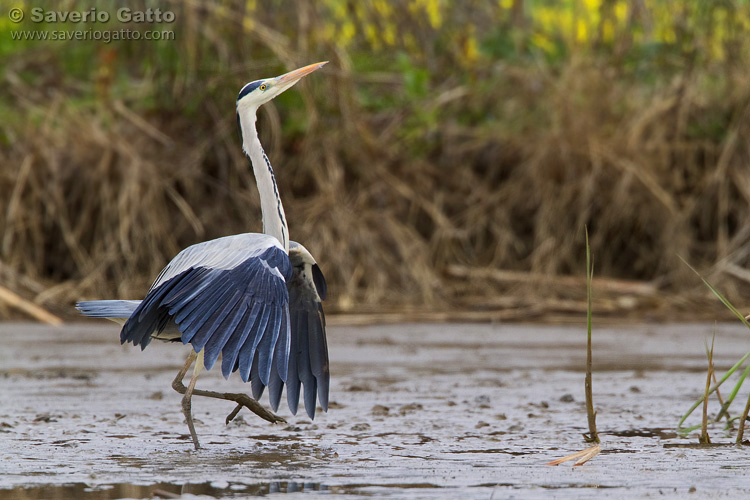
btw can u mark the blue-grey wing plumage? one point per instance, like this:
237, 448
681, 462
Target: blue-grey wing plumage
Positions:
110, 309
226, 296
244, 298
320, 282
308, 358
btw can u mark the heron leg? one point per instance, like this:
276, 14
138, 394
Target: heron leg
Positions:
242, 400
189, 391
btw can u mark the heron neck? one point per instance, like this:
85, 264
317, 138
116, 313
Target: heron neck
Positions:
274, 220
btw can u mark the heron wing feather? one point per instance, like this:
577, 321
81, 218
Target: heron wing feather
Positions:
236, 340
293, 380
226, 296
221, 253
265, 351
320, 282
247, 355
275, 388
304, 371
308, 349
281, 359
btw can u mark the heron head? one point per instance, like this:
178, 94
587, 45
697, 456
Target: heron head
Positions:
260, 92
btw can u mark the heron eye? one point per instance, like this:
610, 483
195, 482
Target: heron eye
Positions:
263, 86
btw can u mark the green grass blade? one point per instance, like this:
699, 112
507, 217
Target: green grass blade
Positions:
687, 430
718, 294
733, 394
718, 384
593, 436
743, 420
705, 439
729, 372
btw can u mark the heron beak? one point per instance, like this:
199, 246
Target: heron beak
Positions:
289, 79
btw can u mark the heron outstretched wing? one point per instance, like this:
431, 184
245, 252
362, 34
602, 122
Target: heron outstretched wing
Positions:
226, 296
308, 356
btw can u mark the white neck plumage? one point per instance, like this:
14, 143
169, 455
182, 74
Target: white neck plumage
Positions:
274, 220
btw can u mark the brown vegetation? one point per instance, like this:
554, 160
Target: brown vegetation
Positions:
423, 181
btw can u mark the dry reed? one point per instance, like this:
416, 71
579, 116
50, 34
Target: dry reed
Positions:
410, 201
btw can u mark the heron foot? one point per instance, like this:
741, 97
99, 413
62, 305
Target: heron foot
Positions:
243, 400
233, 414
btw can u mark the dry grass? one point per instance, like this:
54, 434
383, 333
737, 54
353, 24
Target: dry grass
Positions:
415, 204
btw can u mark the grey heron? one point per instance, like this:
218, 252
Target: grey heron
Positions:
253, 298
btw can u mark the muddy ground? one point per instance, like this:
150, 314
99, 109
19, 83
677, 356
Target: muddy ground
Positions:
417, 411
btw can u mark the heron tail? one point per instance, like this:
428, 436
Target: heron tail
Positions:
115, 310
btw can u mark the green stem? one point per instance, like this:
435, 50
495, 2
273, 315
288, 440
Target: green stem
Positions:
721, 381
743, 419
732, 395
704, 439
593, 436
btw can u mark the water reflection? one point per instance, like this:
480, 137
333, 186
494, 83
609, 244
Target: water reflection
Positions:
82, 491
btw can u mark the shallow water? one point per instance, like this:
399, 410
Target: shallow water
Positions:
417, 411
